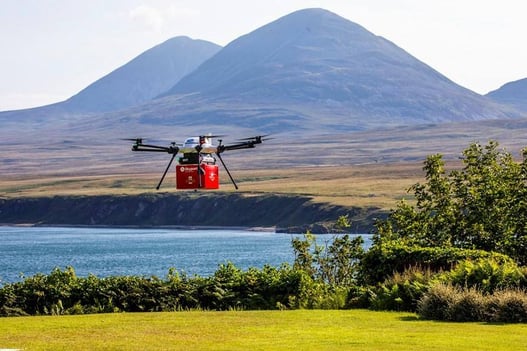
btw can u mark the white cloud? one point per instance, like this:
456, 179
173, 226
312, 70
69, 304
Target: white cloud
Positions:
177, 11
149, 16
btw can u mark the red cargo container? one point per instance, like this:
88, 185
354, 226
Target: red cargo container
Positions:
187, 177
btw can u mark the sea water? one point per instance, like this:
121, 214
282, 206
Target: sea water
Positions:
25, 251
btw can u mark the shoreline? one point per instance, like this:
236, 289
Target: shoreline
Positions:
177, 227
280, 214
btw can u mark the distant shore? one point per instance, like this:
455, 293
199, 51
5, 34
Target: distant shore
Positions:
177, 227
269, 213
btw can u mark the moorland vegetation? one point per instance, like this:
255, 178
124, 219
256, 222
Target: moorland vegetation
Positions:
457, 252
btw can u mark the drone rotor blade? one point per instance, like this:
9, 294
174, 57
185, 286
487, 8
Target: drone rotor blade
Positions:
256, 138
137, 141
213, 136
227, 170
166, 170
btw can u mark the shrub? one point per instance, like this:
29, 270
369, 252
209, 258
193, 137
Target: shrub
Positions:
336, 263
384, 259
469, 305
450, 303
402, 291
487, 275
436, 303
61, 292
508, 306
314, 294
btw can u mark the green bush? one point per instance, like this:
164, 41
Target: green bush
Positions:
436, 303
336, 263
314, 294
387, 258
487, 275
62, 292
402, 291
481, 206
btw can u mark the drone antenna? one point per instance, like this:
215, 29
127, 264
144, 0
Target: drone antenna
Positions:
227, 170
166, 170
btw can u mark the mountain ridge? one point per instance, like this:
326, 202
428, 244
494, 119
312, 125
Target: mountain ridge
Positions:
308, 70
512, 93
316, 60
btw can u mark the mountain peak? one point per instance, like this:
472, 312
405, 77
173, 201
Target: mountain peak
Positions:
315, 60
309, 41
146, 76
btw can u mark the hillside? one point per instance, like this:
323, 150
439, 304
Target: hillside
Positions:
512, 93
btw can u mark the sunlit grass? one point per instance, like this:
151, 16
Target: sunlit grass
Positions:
362, 186
256, 330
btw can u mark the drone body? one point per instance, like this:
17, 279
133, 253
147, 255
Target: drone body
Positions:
197, 168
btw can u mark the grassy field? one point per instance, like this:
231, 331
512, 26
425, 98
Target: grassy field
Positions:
362, 185
256, 330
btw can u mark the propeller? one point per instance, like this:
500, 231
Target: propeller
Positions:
136, 140
211, 136
258, 138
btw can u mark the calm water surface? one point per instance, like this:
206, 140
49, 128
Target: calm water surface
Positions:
111, 251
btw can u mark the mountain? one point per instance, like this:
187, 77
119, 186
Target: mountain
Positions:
314, 70
512, 93
145, 77
309, 71
311, 75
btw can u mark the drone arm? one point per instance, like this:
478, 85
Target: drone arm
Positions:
249, 143
149, 150
155, 148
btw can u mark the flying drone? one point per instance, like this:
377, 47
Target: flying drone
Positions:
197, 168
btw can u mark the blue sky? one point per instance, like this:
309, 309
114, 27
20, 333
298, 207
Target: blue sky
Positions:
52, 49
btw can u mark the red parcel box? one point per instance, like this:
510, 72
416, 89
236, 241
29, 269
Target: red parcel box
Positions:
187, 177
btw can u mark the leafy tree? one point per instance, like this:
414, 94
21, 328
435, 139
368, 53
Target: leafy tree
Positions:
481, 206
305, 250
334, 263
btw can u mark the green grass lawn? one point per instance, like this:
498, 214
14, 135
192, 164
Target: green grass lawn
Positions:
256, 330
